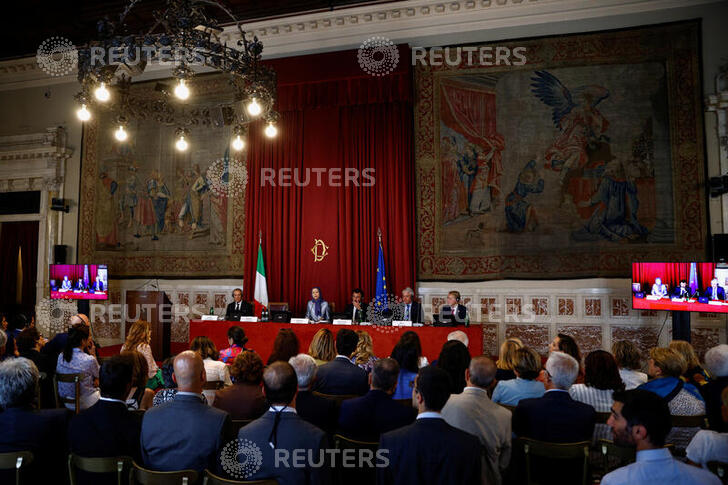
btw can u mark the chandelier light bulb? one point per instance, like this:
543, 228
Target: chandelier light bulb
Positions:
271, 131
182, 91
238, 143
101, 93
181, 143
121, 133
254, 108
83, 113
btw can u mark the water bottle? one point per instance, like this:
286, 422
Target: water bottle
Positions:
264, 315
212, 310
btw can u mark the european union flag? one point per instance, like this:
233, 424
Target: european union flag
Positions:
381, 294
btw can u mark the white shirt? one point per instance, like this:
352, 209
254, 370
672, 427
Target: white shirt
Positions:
632, 378
284, 409
215, 371
708, 446
659, 467
430, 414
599, 399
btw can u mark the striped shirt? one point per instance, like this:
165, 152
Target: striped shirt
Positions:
600, 399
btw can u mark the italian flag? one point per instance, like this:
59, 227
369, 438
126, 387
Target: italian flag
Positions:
260, 296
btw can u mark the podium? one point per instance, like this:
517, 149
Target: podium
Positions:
155, 308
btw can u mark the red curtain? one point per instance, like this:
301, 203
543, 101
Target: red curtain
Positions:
337, 120
23, 236
74, 272
671, 274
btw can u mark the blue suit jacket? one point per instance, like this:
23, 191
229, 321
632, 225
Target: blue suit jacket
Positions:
366, 418
105, 429
340, 376
709, 293
184, 433
555, 418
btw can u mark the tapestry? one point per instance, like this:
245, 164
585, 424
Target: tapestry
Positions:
148, 209
578, 161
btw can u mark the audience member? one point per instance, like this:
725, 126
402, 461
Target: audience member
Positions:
140, 335
694, 374
185, 433
566, 344
244, 399
460, 336
364, 354
319, 411
285, 346
407, 352
281, 432
340, 376
473, 412
215, 370
708, 445
601, 379
454, 359
507, 359
56, 345
555, 417
524, 386
642, 419
430, 451
237, 341
139, 397
170, 386
23, 428
78, 358
716, 361
666, 366
322, 347
366, 418
29, 343
627, 356
3, 344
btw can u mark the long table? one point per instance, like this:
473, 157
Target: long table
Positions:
261, 335
685, 306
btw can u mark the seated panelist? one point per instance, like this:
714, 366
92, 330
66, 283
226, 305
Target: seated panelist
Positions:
682, 291
98, 286
238, 308
318, 308
80, 286
454, 311
715, 292
66, 285
658, 289
357, 309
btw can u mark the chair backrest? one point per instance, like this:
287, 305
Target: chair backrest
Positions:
335, 397
239, 423
74, 379
720, 468
404, 402
15, 460
343, 443
508, 407
213, 385
212, 479
615, 456
364, 471
689, 421
278, 306
143, 476
554, 451
112, 464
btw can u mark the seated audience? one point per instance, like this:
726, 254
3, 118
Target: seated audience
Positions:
185, 433
710, 445
322, 347
3, 344
140, 335
454, 359
716, 361
627, 356
473, 412
665, 367
237, 341
317, 410
460, 336
139, 397
244, 399
340, 376
24, 428
507, 359
364, 354
524, 386
78, 358
108, 428
215, 370
55, 346
285, 346
601, 379
281, 431
430, 451
641, 419
170, 386
29, 344
555, 417
566, 344
366, 418
695, 374
408, 353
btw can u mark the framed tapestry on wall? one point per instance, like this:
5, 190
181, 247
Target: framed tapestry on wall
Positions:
585, 157
148, 209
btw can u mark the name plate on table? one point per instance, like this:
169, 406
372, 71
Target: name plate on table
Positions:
715, 302
677, 300
401, 323
365, 323
341, 321
299, 320
208, 317
653, 297
248, 319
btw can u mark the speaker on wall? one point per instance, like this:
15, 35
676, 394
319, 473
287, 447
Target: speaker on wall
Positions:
720, 248
60, 252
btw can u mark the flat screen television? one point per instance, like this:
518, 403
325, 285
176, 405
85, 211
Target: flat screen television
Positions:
690, 287
79, 281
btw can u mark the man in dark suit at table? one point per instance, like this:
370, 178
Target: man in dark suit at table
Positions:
430, 451
411, 308
454, 312
340, 376
682, 290
356, 311
238, 308
714, 291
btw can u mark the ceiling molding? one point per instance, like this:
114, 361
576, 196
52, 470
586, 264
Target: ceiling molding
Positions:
416, 22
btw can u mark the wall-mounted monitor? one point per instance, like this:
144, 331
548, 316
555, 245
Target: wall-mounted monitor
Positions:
79, 281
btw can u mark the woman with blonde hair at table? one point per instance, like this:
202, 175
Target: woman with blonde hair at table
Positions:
317, 309
140, 335
322, 347
507, 359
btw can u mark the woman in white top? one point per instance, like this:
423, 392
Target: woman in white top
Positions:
627, 356
140, 334
78, 358
215, 370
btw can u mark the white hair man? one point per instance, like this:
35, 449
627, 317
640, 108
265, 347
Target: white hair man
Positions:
3, 343
411, 308
715, 291
716, 361
460, 336
319, 411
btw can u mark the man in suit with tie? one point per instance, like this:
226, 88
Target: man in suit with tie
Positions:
682, 290
283, 437
356, 311
238, 308
454, 312
430, 451
185, 433
411, 309
715, 292
366, 418
319, 411
340, 376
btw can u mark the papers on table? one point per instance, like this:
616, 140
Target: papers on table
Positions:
248, 319
401, 323
653, 297
209, 317
341, 321
299, 320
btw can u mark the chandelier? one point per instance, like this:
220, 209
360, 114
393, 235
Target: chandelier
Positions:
187, 38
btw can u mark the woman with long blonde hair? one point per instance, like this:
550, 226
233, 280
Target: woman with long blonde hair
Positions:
140, 334
322, 347
364, 356
507, 359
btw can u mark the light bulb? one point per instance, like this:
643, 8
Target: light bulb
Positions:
181, 143
83, 113
271, 130
182, 91
254, 108
121, 133
238, 143
102, 94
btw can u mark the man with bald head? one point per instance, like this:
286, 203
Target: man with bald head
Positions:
474, 412
185, 433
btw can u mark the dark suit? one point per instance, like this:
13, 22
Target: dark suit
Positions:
319, 411
107, 428
241, 401
430, 451
415, 315
184, 433
41, 432
711, 393
446, 315
246, 310
677, 292
709, 293
361, 315
555, 418
340, 376
293, 433
366, 418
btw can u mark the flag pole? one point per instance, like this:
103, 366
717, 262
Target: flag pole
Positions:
260, 237
379, 235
